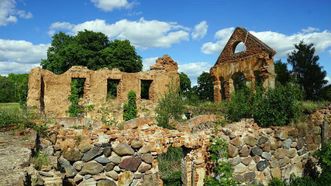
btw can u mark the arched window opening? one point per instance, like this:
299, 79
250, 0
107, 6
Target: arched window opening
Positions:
239, 81
240, 47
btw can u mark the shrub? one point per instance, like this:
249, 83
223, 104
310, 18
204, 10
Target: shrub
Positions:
324, 156
170, 106
277, 106
276, 182
240, 105
130, 108
222, 169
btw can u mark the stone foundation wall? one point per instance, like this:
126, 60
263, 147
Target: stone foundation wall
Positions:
112, 156
260, 154
128, 156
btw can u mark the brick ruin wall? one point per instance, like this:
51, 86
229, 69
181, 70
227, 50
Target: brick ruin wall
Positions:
49, 92
257, 57
128, 156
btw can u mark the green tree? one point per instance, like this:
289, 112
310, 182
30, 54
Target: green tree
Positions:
7, 90
90, 49
282, 73
307, 71
122, 55
326, 93
20, 83
185, 83
205, 88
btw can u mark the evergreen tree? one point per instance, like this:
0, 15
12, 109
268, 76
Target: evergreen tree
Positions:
306, 70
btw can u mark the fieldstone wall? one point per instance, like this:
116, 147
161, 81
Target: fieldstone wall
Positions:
100, 154
112, 156
49, 92
260, 154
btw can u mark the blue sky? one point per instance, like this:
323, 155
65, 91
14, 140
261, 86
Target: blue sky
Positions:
192, 32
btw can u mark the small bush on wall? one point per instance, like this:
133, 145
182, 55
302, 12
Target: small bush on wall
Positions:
130, 108
222, 170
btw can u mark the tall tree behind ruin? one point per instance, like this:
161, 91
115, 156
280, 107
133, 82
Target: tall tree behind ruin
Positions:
185, 83
282, 73
90, 49
307, 71
205, 88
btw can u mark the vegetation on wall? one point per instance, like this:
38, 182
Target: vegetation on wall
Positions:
90, 49
221, 168
130, 108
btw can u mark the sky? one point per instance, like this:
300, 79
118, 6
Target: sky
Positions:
192, 32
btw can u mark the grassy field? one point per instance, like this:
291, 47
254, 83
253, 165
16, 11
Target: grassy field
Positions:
10, 114
9, 106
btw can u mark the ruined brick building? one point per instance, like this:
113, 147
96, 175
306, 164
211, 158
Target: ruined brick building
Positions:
251, 66
49, 92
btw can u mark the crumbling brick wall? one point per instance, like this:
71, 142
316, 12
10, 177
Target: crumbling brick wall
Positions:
257, 57
49, 92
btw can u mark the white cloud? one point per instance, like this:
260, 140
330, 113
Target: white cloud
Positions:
16, 68
200, 30
110, 5
282, 43
18, 56
142, 33
309, 30
222, 37
194, 70
9, 13
147, 62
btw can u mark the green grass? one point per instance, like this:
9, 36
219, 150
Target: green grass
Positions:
309, 107
40, 160
10, 106
10, 114
170, 166
207, 107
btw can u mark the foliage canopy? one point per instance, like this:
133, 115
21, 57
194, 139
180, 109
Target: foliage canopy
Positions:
90, 49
